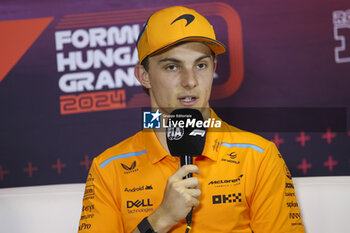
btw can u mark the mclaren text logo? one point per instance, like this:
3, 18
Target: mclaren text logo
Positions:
226, 182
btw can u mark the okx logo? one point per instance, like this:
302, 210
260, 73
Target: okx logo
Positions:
222, 199
151, 120
138, 203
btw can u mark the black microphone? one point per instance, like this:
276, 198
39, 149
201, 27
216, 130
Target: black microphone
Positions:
186, 138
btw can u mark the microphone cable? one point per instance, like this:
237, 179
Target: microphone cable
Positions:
189, 220
186, 141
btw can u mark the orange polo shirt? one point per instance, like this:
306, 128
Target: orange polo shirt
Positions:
245, 184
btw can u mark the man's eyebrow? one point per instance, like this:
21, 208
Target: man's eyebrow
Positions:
202, 57
169, 59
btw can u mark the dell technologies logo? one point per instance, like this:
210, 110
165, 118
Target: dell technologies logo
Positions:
138, 203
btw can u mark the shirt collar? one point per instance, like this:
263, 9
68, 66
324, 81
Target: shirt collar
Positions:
214, 138
155, 150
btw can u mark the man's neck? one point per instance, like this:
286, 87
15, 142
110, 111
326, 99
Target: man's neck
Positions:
161, 135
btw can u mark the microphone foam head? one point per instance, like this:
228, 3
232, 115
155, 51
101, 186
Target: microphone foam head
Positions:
185, 136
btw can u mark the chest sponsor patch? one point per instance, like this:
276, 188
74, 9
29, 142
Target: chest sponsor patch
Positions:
226, 182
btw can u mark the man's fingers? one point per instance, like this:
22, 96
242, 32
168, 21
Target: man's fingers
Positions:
190, 183
194, 192
196, 202
185, 170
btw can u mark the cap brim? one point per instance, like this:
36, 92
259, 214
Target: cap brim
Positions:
216, 46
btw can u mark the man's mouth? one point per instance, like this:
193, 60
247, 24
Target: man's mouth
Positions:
188, 100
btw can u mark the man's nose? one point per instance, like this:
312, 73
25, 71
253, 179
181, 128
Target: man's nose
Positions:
189, 79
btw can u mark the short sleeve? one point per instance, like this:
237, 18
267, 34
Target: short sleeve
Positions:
101, 210
274, 207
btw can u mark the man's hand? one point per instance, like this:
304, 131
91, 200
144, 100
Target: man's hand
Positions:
179, 198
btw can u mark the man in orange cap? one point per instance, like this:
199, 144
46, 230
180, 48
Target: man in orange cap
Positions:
240, 182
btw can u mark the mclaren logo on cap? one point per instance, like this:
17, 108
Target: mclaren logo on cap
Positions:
189, 18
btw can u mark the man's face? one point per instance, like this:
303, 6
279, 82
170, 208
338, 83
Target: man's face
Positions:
181, 77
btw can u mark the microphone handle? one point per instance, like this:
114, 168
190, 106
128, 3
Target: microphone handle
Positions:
186, 160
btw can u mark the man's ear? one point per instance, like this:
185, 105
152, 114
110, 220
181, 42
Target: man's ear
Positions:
142, 75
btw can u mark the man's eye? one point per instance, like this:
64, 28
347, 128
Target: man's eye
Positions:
171, 67
202, 66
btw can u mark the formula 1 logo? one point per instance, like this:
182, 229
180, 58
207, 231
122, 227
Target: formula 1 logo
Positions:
199, 132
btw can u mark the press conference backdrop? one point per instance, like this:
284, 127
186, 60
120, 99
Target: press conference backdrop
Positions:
68, 92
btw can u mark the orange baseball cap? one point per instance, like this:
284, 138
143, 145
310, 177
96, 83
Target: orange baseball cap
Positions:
172, 25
